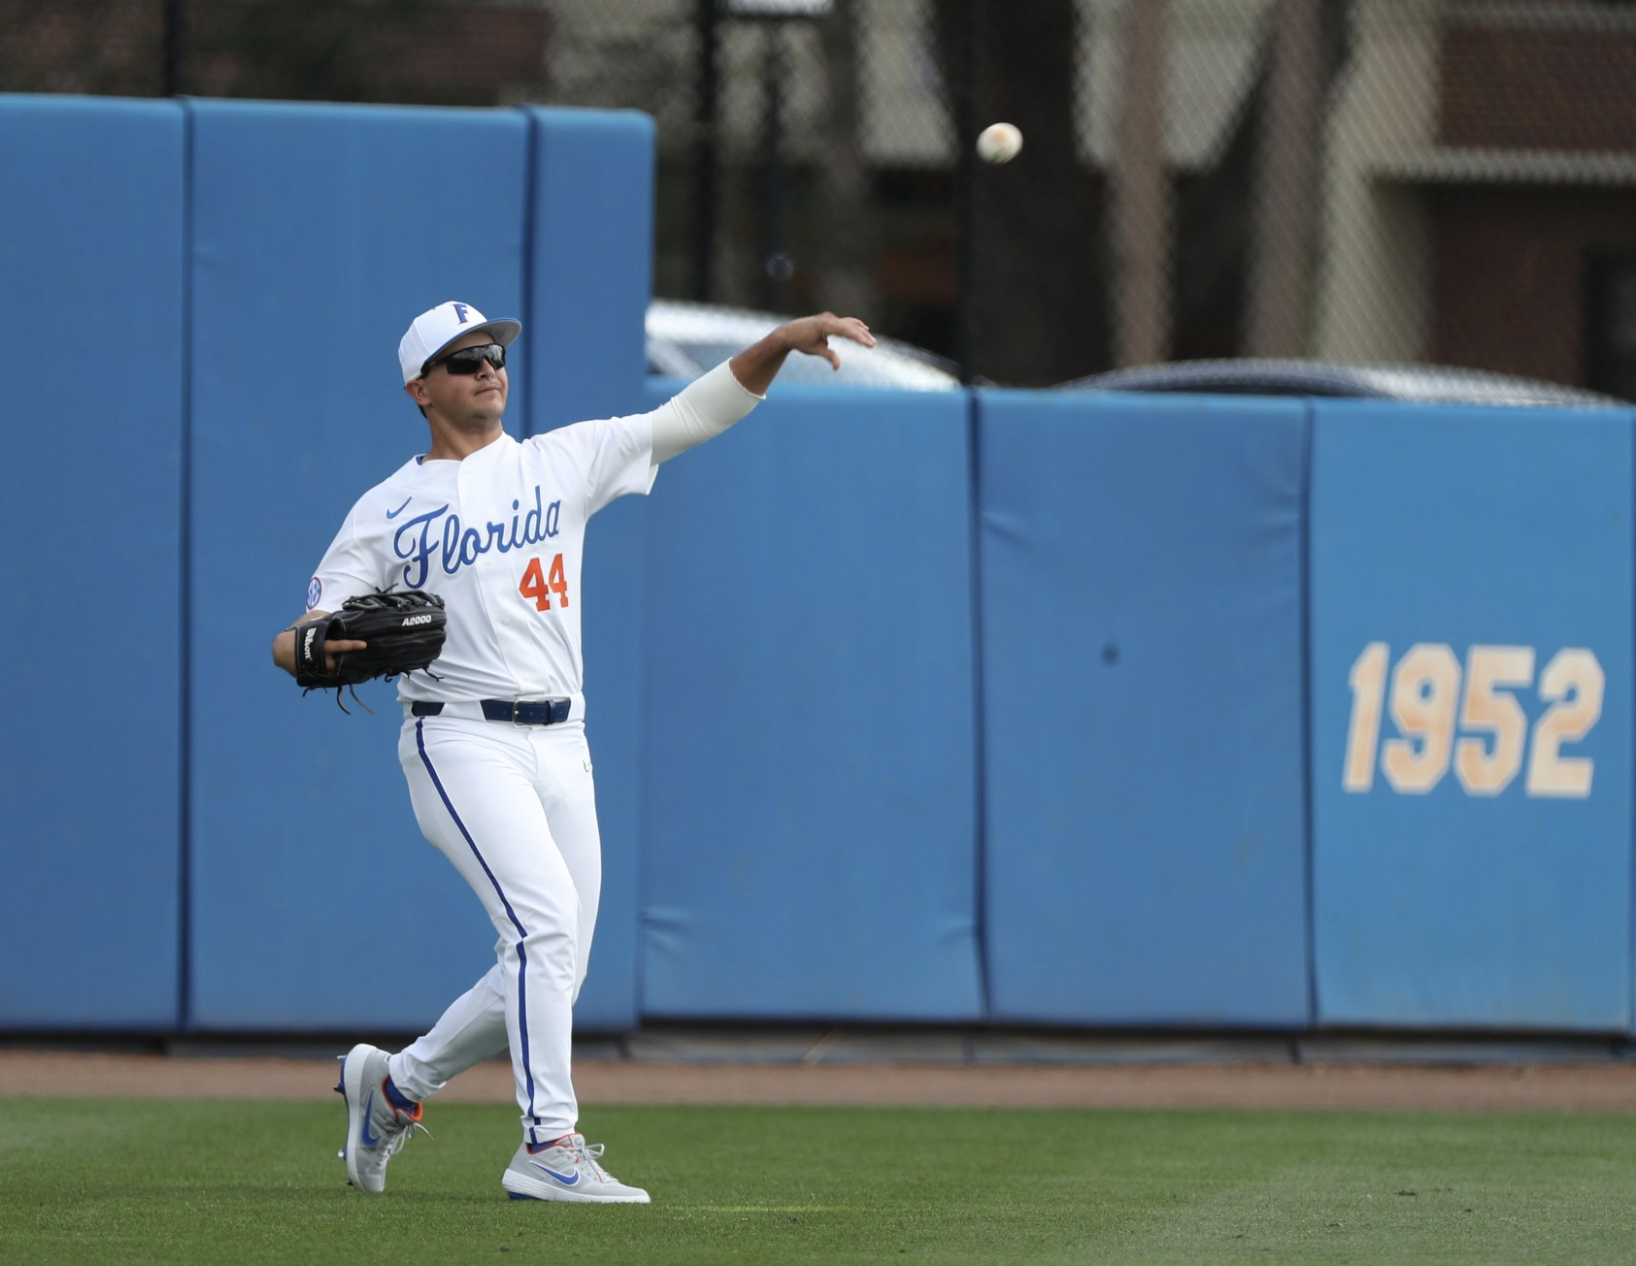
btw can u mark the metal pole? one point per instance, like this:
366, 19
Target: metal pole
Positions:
966, 127
1142, 195
704, 157
1281, 258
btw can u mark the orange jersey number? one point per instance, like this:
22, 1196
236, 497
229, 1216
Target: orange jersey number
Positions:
539, 586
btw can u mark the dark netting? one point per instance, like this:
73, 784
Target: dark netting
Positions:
1384, 181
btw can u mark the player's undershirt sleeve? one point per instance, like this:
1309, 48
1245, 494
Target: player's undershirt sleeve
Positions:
702, 410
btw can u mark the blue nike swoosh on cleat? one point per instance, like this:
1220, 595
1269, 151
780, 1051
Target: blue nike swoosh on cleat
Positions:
369, 1140
567, 1180
392, 514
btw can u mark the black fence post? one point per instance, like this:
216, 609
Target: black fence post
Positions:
775, 262
966, 177
175, 43
704, 156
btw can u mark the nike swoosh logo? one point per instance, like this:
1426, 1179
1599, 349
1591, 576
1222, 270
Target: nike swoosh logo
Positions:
567, 1180
369, 1140
392, 514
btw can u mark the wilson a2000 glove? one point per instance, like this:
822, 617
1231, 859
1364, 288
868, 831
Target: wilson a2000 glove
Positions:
405, 629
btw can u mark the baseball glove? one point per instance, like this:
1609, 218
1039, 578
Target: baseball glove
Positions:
405, 629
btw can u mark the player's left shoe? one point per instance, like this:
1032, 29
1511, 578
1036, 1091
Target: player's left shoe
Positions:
376, 1127
570, 1170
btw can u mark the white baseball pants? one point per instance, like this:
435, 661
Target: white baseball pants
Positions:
514, 808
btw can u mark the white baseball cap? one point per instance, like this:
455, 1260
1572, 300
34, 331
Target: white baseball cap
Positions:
435, 329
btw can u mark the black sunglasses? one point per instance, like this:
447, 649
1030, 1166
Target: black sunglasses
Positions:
468, 360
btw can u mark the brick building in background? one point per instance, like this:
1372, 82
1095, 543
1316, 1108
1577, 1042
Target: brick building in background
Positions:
1535, 239
1480, 191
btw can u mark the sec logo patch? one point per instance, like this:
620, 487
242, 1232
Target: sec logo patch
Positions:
315, 591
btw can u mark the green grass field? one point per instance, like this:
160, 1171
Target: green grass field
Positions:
97, 1181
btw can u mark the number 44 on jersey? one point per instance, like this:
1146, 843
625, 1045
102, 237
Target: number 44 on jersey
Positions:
537, 585
1426, 700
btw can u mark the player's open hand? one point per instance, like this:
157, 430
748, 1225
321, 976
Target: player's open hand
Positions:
812, 334
757, 365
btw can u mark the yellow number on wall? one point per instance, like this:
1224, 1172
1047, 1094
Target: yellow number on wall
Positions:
1368, 682
1489, 669
1572, 683
1425, 685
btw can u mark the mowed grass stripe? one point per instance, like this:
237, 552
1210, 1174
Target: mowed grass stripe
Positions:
85, 1181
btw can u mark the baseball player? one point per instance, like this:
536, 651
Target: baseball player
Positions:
493, 747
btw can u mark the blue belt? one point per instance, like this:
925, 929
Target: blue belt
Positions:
516, 711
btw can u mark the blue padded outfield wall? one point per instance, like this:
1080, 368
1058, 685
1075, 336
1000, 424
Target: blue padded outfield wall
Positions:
91, 271
993, 707
1141, 604
1471, 654
810, 823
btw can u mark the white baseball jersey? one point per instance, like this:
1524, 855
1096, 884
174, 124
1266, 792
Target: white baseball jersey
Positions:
499, 537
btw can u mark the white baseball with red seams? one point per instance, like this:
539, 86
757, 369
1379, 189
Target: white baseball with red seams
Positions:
499, 536
999, 142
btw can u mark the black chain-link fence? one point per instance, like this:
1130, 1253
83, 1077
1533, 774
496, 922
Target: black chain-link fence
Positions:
1350, 180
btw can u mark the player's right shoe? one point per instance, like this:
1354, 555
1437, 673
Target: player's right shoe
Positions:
376, 1128
567, 1170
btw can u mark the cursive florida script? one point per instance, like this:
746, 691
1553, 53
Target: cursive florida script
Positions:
438, 534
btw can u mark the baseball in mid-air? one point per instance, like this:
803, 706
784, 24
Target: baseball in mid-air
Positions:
999, 143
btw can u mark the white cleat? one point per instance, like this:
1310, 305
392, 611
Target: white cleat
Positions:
567, 1170
375, 1128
